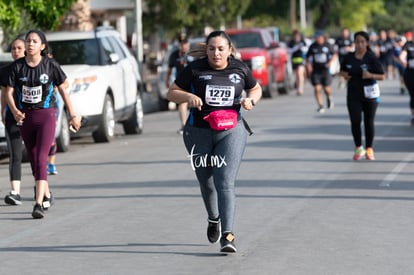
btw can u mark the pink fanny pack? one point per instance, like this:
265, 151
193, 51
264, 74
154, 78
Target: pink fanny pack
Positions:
222, 119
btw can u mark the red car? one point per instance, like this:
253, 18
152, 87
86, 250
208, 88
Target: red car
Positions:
267, 59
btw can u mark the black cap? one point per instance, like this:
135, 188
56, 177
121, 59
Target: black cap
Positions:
182, 38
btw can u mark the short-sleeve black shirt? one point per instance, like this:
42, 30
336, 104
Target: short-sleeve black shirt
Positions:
4, 79
296, 48
353, 67
342, 43
409, 48
37, 80
219, 89
320, 55
177, 61
4, 74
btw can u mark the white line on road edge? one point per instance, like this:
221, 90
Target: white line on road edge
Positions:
386, 182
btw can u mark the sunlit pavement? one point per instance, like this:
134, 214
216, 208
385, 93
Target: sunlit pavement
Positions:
303, 206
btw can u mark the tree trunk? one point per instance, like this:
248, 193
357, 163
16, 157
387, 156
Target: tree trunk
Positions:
293, 14
78, 17
323, 19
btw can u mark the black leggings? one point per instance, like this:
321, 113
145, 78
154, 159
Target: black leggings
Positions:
409, 83
356, 108
38, 133
15, 146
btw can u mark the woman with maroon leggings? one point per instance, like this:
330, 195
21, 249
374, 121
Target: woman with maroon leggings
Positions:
32, 79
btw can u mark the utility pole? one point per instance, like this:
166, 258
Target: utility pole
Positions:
302, 14
140, 47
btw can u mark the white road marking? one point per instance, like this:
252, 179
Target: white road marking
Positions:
386, 182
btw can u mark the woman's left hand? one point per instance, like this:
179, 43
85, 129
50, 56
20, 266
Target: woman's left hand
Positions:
247, 103
366, 75
75, 122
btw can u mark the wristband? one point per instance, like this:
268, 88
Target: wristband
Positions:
252, 101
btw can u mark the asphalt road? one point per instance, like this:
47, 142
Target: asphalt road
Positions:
303, 206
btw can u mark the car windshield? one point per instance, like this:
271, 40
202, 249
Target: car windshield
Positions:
247, 40
73, 52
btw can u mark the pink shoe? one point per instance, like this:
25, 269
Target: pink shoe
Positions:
359, 153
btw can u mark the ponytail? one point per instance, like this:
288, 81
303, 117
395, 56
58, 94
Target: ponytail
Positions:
200, 50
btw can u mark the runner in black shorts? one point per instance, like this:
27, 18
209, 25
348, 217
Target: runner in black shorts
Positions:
297, 51
319, 58
33, 79
343, 45
386, 45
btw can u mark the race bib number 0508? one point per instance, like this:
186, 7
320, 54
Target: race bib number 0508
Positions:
32, 95
219, 95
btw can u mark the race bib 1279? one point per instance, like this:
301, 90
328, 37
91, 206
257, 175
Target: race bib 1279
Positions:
217, 95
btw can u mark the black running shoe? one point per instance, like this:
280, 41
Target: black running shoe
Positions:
48, 202
330, 102
227, 243
38, 212
13, 199
213, 230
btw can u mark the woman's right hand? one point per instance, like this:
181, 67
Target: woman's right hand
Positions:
195, 102
3, 117
18, 116
345, 75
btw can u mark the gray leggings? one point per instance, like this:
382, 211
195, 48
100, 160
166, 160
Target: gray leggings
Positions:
216, 158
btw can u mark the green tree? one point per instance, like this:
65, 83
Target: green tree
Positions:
191, 15
17, 16
329, 15
269, 13
398, 16
353, 14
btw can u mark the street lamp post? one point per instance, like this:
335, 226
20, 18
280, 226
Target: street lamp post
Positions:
303, 14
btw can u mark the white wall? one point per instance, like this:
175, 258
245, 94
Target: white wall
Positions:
111, 4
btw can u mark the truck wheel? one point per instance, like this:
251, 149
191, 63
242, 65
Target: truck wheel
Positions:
63, 139
134, 124
267, 90
106, 129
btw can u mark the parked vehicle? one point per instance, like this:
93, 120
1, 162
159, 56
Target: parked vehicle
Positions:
267, 59
105, 85
62, 126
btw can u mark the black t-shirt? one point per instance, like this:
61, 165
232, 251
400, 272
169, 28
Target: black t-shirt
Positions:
409, 48
386, 47
296, 51
4, 80
342, 44
4, 74
179, 62
354, 67
219, 89
34, 85
320, 54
